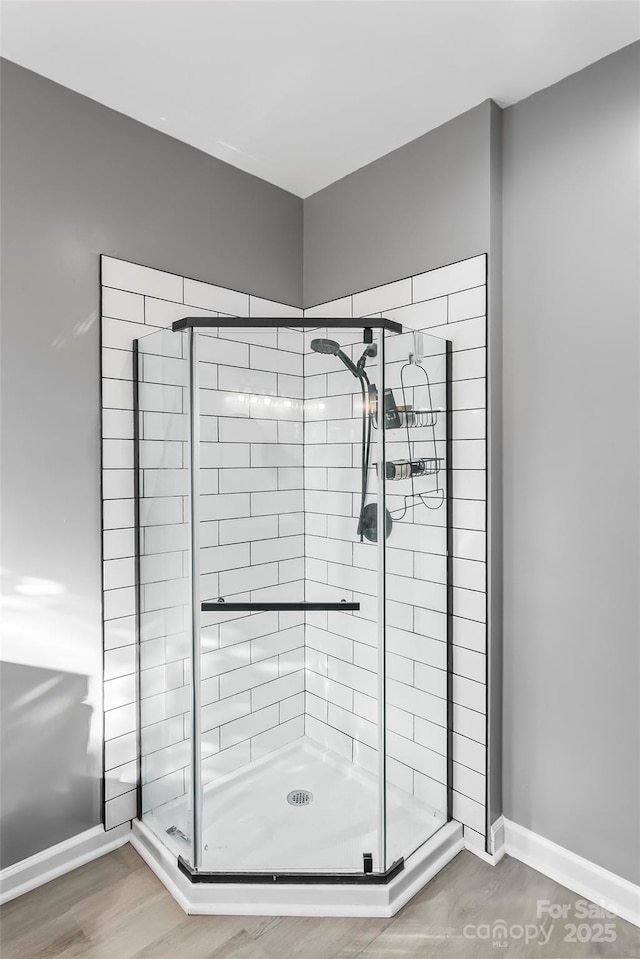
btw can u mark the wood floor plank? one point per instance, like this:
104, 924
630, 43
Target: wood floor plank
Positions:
318, 938
135, 929
39, 939
197, 937
109, 905
72, 946
241, 946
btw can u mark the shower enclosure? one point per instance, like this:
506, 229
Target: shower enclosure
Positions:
294, 600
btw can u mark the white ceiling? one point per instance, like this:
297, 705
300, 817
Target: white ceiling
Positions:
303, 92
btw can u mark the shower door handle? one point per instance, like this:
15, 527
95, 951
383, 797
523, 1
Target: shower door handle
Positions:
220, 605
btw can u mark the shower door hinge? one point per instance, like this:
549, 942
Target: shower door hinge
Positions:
367, 862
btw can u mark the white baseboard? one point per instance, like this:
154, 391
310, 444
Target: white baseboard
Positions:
474, 842
496, 838
581, 876
57, 860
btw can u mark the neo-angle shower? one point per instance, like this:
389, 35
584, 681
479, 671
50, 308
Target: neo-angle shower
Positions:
295, 666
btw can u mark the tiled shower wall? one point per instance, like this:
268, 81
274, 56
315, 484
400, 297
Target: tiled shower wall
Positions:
252, 543
341, 686
245, 450
137, 301
342, 651
164, 563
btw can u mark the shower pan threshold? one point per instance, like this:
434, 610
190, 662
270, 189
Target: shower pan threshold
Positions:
249, 807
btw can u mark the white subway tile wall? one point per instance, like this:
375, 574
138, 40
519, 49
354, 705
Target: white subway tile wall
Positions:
279, 478
164, 564
251, 533
341, 649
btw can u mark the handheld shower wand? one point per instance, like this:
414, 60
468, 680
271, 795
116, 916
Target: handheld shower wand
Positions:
332, 348
366, 523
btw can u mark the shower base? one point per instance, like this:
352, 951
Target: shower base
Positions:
249, 826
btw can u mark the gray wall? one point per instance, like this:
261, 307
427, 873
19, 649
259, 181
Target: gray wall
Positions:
571, 463
420, 207
78, 180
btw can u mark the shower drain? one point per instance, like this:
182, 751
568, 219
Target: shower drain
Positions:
300, 797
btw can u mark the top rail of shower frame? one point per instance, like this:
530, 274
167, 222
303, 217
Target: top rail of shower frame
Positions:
336, 323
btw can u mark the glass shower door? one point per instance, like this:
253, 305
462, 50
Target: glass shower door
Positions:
342, 373
290, 619
251, 551
162, 452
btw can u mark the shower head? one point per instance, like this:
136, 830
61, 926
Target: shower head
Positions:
325, 346
332, 348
